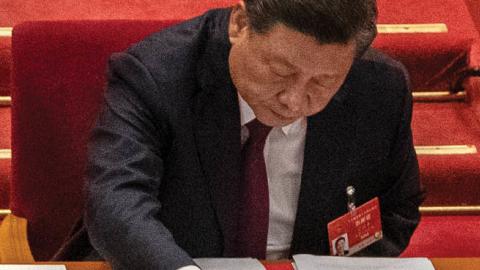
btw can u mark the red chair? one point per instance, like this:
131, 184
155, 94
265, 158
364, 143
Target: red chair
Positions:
434, 59
438, 62
14, 13
445, 236
59, 78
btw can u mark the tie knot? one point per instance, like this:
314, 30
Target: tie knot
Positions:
257, 130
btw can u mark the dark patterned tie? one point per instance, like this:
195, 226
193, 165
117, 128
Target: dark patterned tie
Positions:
253, 222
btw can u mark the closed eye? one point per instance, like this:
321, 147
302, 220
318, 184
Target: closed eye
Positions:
324, 82
281, 71
282, 75
318, 83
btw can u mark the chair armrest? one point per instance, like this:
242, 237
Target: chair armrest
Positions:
14, 246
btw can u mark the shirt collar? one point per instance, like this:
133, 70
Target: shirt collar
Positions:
247, 115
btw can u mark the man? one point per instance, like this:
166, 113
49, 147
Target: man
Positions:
340, 246
169, 174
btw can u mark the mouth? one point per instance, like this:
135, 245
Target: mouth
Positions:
283, 117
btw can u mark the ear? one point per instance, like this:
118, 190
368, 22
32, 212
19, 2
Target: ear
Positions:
238, 25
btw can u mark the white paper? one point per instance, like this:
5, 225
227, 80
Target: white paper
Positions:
31, 267
311, 262
228, 264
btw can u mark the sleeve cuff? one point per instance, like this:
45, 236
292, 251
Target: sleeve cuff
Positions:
189, 267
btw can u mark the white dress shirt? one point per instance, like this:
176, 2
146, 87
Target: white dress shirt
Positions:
283, 154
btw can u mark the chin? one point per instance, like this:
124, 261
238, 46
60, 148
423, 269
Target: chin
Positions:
266, 121
276, 122
271, 118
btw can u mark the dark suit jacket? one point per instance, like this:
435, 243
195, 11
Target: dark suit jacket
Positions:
164, 158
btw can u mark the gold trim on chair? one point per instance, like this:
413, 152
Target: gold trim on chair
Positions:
14, 247
5, 101
446, 150
450, 210
5, 212
435, 96
412, 28
6, 31
5, 153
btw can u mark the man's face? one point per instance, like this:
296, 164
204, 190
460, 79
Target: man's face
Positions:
284, 74
340, 246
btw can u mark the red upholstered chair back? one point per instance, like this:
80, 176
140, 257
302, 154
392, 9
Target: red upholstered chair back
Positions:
59, 76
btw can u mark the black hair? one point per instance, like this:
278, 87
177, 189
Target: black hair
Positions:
328, 21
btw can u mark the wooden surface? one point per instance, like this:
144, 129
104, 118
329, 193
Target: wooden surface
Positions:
456, 263
439, 264
13, 238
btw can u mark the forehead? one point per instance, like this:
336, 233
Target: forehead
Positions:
284, 44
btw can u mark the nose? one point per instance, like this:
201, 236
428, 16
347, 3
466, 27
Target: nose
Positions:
294, 96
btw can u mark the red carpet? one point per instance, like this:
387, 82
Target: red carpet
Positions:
445, 123
431, 58
451, 180
474, 7
446, 236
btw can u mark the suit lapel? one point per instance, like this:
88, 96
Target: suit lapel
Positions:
217, 134
218, 142
328, 155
